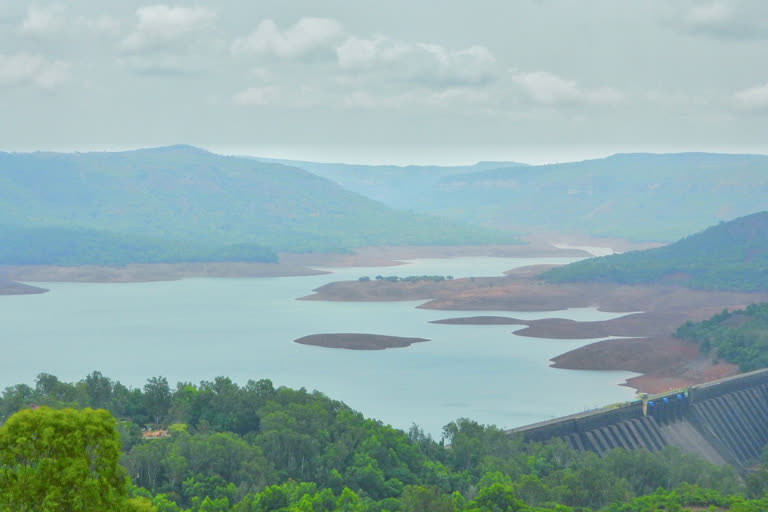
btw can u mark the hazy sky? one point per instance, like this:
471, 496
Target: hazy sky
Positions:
386, 81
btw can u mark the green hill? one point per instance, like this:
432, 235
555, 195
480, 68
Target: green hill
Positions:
638, 196
153, 202
730, 256
740, 337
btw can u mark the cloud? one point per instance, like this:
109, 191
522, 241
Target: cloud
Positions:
41, 20
54, 20
256, 96
548, 88
356, 53
754, 98
308, 35
32, 70
418, 62
161, 27
734, 19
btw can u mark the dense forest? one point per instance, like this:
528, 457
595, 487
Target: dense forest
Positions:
740, 337
259, 448
730, 256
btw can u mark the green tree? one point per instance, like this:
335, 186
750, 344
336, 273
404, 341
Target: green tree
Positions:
157, 397
56, 460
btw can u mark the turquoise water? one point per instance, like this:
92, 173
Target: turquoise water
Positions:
244, 328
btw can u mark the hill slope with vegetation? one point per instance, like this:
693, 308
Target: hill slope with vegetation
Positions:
410, 187
204, 203
258, 448
659, 197
739, 337
730, 256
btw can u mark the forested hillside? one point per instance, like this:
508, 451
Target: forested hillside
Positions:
132, 205
659, 197
730, 256
78, 246
740, 337
261, 448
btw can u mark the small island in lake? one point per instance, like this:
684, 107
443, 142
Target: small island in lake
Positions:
356, 341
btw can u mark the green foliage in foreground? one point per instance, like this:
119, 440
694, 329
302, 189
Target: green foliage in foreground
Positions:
730, 256
53, 460
64, 246
739, 337
257, 448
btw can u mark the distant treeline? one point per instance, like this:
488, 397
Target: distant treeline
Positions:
739, 337
73, 246
730, 256
258, 448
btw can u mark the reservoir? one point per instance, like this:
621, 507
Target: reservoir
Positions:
243, 328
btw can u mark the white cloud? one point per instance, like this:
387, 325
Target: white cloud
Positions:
257, 96
548, 88
754, 98
41, 20
306, 36
713, 14
32, 70
419, 62
54, 20
163, 27
473, 65
356, 53
733, 19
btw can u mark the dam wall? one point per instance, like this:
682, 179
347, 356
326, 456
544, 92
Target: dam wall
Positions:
724, 421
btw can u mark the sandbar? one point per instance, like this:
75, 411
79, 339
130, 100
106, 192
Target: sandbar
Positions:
358, 341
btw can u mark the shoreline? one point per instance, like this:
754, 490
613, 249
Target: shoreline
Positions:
289, 264
641, 341
647, 348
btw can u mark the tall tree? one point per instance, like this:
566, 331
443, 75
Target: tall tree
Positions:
157, 397
54, 460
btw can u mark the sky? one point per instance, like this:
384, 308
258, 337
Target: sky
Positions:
434, 81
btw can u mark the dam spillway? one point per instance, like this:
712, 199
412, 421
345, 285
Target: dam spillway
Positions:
724, 422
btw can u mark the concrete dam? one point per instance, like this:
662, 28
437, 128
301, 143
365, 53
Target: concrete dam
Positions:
724, 421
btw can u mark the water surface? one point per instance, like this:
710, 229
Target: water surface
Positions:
244, 328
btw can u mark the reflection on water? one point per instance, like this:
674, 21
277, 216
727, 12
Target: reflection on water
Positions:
243, 328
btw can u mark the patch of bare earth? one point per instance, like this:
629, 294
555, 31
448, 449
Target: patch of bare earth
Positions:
357, 341
666, 362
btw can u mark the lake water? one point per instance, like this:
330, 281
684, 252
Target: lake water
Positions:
244, 328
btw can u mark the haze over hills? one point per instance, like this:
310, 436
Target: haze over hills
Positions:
642, 196
729, 256
411, 187
141, 204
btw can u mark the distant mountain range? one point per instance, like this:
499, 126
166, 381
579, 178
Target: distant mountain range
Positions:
658, 197
182, 203
411, 187
729, 256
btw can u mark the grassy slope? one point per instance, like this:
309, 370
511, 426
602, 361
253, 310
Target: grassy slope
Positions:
730, 256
